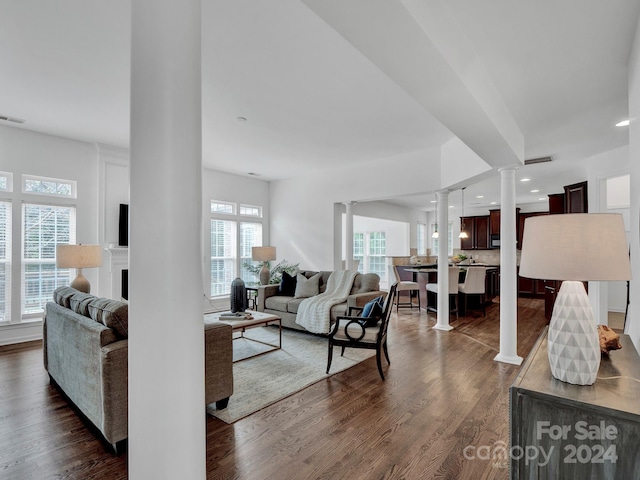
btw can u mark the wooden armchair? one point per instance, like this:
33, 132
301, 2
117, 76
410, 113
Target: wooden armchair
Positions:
351, 332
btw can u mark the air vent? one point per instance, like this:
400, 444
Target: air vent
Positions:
11, 119
532, 161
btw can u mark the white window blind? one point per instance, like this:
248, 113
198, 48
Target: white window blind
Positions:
44, 227
5, 262
250, 236
223, 255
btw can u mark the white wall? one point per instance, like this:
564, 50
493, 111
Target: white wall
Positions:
25, 152
303, 211
633, 322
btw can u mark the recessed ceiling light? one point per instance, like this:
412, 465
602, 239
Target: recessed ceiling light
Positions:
434, 201
241, 119
493, 203
525, 179
542, 198
535, 190
623, 123
479, 196
451, 206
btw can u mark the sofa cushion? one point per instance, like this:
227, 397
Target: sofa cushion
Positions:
277, 302
287, 285
62, 296
293, 304
112, 314
307, 287
80, 301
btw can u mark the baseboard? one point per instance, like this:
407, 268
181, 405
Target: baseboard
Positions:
28, 332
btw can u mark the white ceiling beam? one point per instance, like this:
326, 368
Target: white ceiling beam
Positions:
420, 46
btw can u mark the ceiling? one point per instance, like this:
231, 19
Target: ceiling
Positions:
315, 93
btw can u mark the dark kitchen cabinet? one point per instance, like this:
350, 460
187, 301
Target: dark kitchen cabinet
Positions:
521, 221
556, 203
478, 230
575, 198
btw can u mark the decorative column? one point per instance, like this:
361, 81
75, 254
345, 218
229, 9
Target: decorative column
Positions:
167, 429
348, 251
443, 262
508, 270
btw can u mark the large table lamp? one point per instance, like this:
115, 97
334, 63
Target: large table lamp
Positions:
264, 255
79, 257
574, 248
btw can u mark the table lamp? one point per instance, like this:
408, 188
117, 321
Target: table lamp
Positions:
264, 255
79, 257
574, 248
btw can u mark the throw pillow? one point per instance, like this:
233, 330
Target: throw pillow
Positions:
374, 316
112, 314
366, 310
287, 285
307, 287
79, 303
62, 296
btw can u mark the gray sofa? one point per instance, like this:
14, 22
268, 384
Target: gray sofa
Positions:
365, 287
85, 350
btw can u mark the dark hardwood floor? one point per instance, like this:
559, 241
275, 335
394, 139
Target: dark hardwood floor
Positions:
443, 393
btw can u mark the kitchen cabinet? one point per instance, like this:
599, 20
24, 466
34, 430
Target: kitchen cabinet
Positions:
584, 431
478, 230
575, 198
556, 203
521, 220
529, 287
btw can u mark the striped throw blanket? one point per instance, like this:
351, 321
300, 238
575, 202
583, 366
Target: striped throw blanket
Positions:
314, 313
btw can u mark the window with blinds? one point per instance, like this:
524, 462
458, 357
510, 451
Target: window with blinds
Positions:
223, 256
5, 262
44, 227
436, 243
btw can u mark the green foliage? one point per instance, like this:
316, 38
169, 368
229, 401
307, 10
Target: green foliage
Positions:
276, 272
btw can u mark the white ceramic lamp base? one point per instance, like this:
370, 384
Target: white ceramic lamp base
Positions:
574, 348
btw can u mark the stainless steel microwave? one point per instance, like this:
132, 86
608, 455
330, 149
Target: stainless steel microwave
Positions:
494, 241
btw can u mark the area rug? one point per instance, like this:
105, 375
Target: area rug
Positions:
261, 381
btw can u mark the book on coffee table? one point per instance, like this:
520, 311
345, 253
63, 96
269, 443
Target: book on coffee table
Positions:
236, 316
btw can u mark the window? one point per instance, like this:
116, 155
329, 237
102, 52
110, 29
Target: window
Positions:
48, 186
250, 236
5, 262
231, 243
436, 240
422, 239
250, 211
377, 254
224, 208
6, 182
43, 227
223, 256
358, 250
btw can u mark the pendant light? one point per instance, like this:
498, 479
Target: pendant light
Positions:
435, 233
463, 233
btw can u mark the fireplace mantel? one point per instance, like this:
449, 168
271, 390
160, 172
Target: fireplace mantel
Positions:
119, 260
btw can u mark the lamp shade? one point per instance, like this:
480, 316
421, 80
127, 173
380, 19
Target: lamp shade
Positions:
263, 254
78, 256
580, 246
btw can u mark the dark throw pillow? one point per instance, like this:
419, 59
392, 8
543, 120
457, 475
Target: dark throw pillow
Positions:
374, 313
366, 310
287, 285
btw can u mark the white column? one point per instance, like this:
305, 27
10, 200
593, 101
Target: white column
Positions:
508, 270
348, 251
167, 429
443, 262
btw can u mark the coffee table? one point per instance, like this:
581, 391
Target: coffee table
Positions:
260, 319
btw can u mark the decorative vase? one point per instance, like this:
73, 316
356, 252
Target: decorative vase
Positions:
238, 296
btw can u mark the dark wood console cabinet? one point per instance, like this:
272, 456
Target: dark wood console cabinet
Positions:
584, 431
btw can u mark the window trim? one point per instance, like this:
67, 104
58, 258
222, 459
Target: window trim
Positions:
223, 213
59, 181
